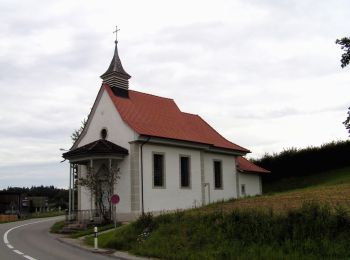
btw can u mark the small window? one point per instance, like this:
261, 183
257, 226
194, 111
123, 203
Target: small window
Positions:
217, 175
243, 190
104, 133
158, 170
185, 171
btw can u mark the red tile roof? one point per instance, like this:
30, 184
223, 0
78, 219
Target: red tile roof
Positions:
160, 117
247, 166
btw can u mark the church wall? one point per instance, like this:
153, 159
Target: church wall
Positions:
84, 197
122, 188
229, 189
107, 116
252, 184
172, 196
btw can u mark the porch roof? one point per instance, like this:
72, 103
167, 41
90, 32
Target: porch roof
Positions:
99, 147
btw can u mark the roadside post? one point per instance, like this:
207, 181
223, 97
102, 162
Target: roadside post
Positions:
115, 200
95, 238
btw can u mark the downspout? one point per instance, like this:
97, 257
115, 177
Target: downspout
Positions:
141, 151
237, 178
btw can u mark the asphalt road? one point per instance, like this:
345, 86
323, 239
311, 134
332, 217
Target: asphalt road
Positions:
30, 239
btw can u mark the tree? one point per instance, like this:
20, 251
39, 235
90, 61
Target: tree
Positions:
345, 45
345, 60
77, 132
101, 185
347, 122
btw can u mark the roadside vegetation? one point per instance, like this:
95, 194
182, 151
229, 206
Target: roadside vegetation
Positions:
311, 220
310, 232
58, 228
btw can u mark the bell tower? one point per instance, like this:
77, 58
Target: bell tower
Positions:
115, 76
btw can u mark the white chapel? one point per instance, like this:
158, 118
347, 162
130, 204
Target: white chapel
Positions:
165, 159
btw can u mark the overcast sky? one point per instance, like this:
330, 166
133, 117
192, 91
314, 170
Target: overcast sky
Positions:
265, 74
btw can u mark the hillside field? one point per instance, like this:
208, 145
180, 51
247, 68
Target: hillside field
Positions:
310, 219
332, 187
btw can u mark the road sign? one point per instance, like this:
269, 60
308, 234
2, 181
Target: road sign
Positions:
115, 199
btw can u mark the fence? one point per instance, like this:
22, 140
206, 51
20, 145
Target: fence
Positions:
6, 218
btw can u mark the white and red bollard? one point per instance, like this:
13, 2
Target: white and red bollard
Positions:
95, 238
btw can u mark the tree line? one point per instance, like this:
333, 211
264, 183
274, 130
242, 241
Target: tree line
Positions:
311, 160
57, 197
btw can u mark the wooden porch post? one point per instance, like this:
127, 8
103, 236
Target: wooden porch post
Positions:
70, 193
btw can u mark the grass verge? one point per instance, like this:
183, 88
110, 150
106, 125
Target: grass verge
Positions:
310, 232
90, 230
58, 226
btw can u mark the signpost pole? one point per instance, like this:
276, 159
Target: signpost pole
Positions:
115, 200
115, 216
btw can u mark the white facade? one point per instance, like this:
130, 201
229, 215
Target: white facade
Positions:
105, 116
172, 196
252, 184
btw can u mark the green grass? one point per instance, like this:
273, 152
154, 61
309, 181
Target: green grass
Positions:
57, 227
328, 178
311, 232
284, 225
90, 231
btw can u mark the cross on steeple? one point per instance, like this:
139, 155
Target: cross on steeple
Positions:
116, 33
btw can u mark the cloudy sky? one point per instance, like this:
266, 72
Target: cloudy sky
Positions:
265, 74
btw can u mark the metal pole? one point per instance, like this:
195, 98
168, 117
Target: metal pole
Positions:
70, 192
115, 216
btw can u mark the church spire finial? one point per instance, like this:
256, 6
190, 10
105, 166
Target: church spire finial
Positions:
116, 76
116, 34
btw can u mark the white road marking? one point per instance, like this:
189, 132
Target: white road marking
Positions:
18, 252
6, 241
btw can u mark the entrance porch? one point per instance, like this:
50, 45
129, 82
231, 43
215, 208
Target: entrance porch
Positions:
93, 175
